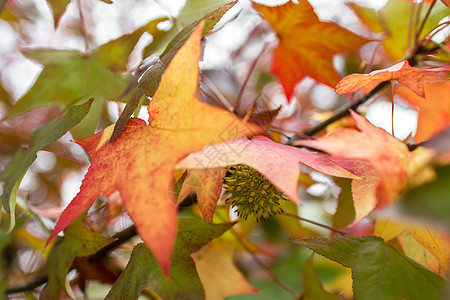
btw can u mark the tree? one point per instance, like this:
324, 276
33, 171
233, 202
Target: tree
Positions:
241, 171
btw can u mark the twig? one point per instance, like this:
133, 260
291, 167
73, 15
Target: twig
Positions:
121, 237
244, 85
270, 126
315, 223
345, 110
424, 21
393, 106
212, 97
217, 93
79, 161
263, 265
31, 285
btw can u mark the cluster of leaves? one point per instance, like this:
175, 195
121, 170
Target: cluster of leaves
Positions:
167, 173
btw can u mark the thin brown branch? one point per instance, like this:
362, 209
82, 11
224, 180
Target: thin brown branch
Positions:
345, 110
263, 265
392, 106
280, 129
65, 156
424, 21
217, 93
315, 223
244, 85
121, 237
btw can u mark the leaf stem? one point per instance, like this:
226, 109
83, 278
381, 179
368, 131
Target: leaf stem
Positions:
83, 28
263, 265
269, 126
221, 98
424, 21
315, 223
244, 85
392, 107
217, 93
79, 161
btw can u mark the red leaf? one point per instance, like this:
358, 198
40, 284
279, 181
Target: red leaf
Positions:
306, 45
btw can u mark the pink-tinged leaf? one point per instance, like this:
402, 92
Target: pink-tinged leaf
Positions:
385, 154
412, 77
363, 190
280, 164
207, 183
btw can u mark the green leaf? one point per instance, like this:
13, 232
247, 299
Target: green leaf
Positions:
58, 7
379, 271
394, 21
114, 54
312, 288
143, 271
151, 78
4, 96
345, 212
194, 9
23, 158
78, 241
70, 75
430, 200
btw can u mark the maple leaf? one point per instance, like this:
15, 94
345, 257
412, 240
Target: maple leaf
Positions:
58, 7
208, 186
280, 164
78, 241
193, 9
412, 77
219, 275
45, 135
378, 269
306, 45
70, 75
140, 162
393, 20
369, 143
414, 250
434, 109
430, 237
312, 288
142, 271
152, 76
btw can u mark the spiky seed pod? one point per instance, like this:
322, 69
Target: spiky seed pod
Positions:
252, 194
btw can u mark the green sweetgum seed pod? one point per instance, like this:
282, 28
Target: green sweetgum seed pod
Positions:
252, 194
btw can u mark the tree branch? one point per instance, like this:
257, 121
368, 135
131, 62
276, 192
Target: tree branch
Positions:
121, 237
345, 110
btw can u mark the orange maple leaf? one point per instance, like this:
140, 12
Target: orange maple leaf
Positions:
412, 77
207, 184
434, 109
369, 143
306, 45
139, 164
